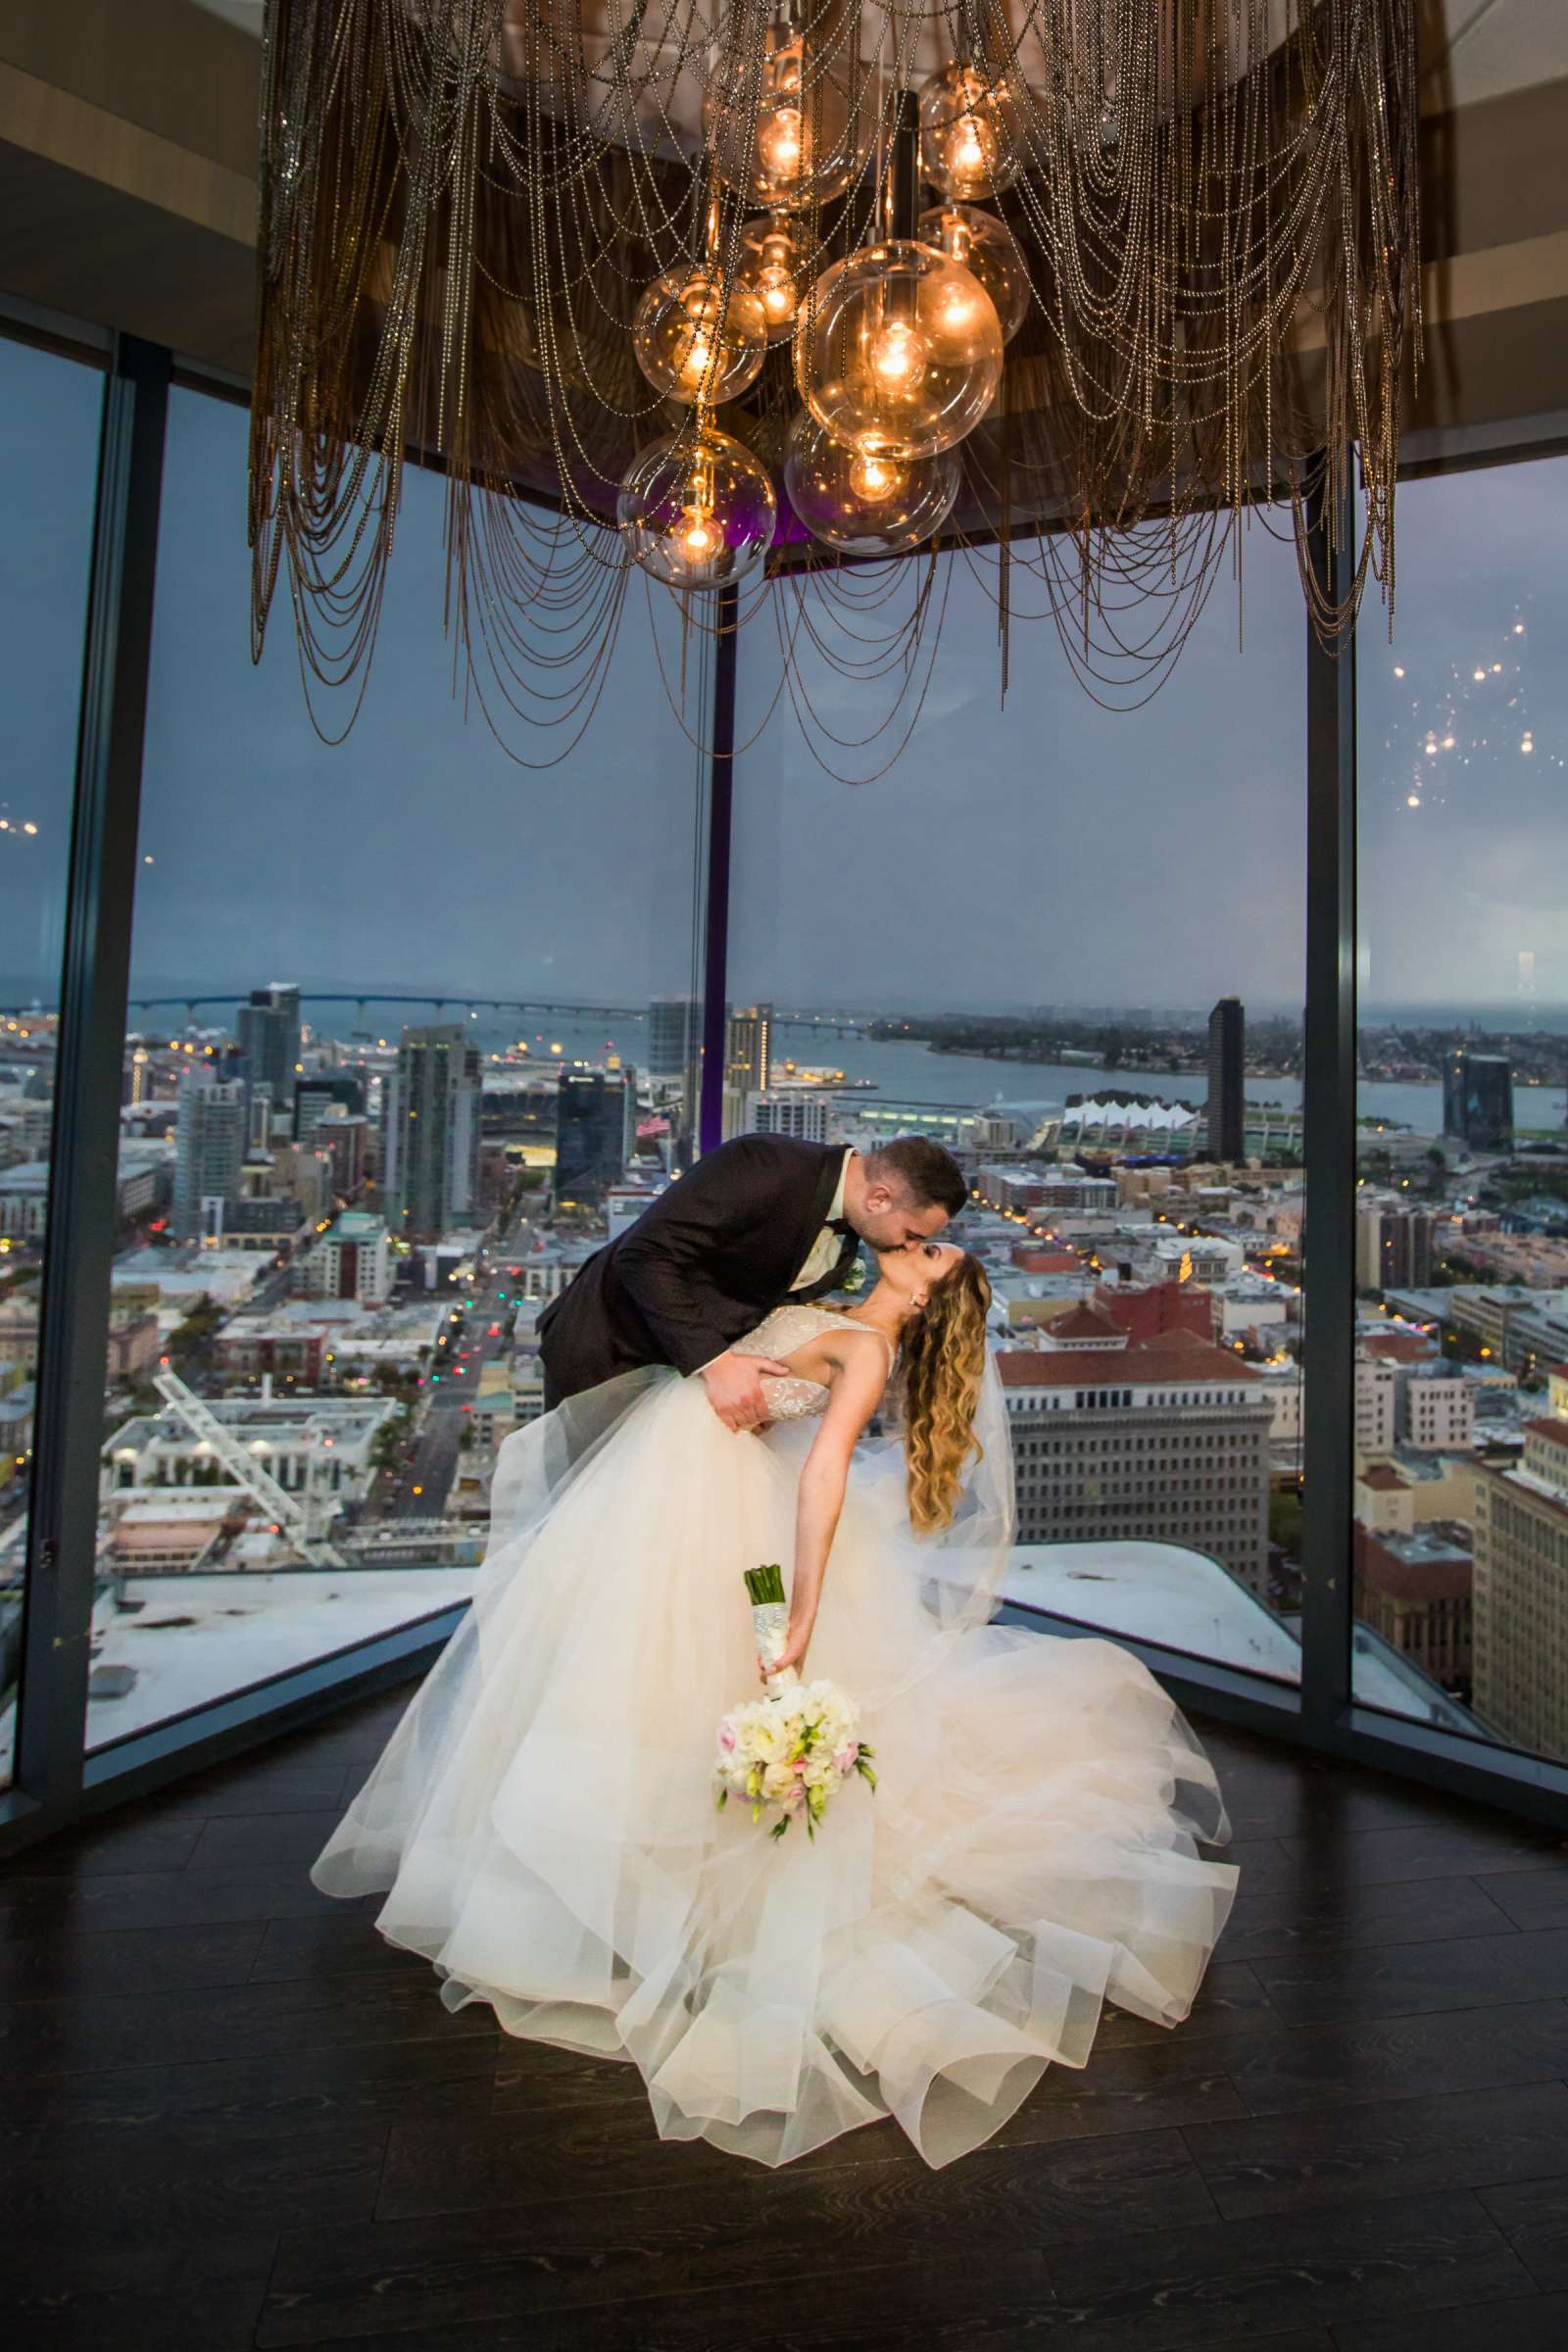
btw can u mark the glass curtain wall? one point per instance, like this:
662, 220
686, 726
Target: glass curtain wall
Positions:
1068, 940
410, 1028
50, 411
1461, 1371
413, 1028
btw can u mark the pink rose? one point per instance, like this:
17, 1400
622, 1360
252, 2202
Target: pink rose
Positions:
726, 1735
844, 1757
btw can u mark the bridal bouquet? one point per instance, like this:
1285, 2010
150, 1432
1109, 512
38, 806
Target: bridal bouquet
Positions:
795, 1746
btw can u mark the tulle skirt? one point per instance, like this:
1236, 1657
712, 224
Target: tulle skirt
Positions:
542, 1820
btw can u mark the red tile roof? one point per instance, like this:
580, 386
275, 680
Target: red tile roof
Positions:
1177, 1356
1384, 1481
1399, 1348
1086, 1323
1555, 1432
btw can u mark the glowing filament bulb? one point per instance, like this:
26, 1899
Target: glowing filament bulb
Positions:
778, 281
970, 154
696, 538
898, 355
957, 312
778, 142
874, 477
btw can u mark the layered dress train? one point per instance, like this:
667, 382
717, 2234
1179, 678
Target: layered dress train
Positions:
541, 1821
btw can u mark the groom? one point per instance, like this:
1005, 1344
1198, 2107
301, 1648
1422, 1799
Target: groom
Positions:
763, 1219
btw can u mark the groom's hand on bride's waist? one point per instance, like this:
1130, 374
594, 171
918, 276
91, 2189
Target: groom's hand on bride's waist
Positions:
734, 1384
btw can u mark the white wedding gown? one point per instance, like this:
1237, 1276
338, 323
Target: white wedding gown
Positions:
543, 1822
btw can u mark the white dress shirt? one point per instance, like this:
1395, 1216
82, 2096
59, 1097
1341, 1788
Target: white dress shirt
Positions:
823, 1254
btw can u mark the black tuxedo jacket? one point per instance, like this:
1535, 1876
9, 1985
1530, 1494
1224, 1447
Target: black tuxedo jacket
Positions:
701, 1266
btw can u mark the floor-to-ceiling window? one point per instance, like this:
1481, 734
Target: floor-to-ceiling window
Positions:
49, 417
410, 1025
1068, 940
1462, 1374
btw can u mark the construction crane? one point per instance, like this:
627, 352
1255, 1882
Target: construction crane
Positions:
306, 1518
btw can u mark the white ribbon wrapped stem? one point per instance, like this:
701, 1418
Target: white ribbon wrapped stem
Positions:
770, 1620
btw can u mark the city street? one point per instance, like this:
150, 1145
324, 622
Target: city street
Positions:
482, 1337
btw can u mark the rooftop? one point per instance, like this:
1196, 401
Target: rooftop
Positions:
1174, 1357
1383, 1480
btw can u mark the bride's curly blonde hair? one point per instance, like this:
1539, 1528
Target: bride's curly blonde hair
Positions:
942, 1359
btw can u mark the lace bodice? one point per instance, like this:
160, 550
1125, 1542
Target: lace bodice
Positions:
789, 1397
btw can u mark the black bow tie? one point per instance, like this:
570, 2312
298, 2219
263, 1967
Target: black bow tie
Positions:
843, 1227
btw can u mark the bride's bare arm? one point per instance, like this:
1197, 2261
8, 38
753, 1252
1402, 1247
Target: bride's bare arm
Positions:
856, 1391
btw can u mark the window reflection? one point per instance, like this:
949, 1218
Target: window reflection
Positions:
1461, 1376
374, 984
1069, 942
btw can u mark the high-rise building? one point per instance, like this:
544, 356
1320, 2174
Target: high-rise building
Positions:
1478, 1100
258, 1113
749, 1050
1413, 1587
1163, 1442
748, 1063
595, 1118
674, 1033
430, 1132
344, 1138
1521, 1593
808, 1112
267, 1029
314, 1095
350, 1260
209, 1146
1392, 1246
1226, 1081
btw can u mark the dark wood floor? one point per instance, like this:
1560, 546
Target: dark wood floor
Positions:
233, 2117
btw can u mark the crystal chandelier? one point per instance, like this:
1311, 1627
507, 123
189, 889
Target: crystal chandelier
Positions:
1076, 284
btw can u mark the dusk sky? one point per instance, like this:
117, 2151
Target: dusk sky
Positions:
1050, 851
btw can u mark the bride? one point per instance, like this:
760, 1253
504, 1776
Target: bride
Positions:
542, 1820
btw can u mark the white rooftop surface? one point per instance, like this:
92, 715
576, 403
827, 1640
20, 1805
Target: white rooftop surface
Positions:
246, 1628
1155, 1592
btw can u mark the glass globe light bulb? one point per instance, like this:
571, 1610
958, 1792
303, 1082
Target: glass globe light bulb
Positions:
899, 355
971, 130
692, 343
790, 125
896, 355
862, 502
697, 509
778, 143
768, 267
875, 478
989, 250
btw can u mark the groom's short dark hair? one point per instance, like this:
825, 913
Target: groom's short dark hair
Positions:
930, 1176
